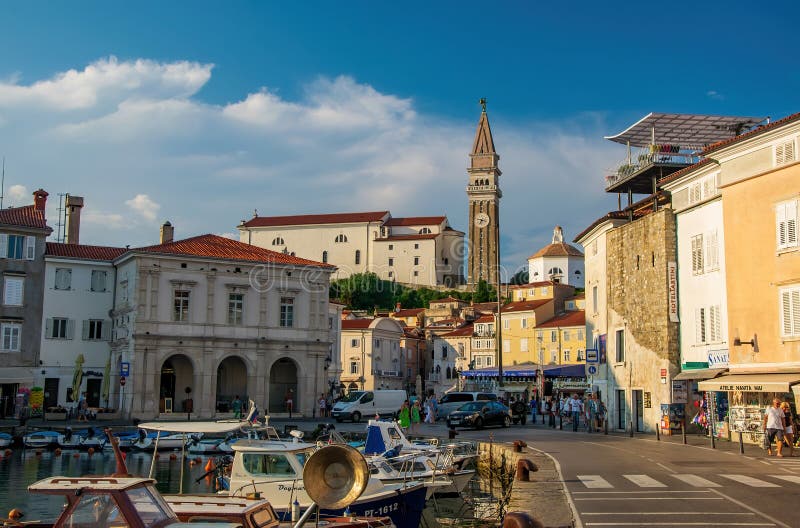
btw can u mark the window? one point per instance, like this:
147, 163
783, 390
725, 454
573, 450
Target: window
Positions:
566, 335
479, 361
712, 252
695, 192
391, 274
391, 262
790, 311
278, 241
10, 334
358, 256
784, 153
523, 323
580, 355
287, 311
93, 330
553, 356
416, 261
700, 326
544, 290
391, 247
506, 324
235, 308
416, 246
340, 239
531, 292
377, 343
13, 291
180, 305
594, 298
714, 324
354, 343
697, 254
59, 328
444, 351
416, 273
488, 361
620, 334
63, 279
566, 356
354, 367
786, 224
18, 247
425, 231
506, 345
523, 344
325, 257
580, 335
268, 465
98, 281
553, 336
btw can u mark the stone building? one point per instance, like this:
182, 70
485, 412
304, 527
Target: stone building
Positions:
23, 231
204, 319
371, 354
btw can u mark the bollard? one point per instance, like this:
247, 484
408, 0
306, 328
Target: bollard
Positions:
520, 520
631, 426
713, 438
524, 468
741, 443
683, 431
605, 426
658, 431
518, 445
560, 421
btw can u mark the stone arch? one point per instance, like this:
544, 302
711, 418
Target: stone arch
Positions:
284, 375
175, 375
231, 382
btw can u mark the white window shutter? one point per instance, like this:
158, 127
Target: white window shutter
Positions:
795, 311
712, 251
48, 328
700, 326
30, 247
70, 328
780, 225
791, 223
106, 331
786, 313
3, 246
85, 330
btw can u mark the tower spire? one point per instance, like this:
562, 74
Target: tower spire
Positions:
483, 154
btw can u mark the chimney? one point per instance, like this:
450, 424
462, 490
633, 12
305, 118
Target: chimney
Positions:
74, 205
167, 233
40, 199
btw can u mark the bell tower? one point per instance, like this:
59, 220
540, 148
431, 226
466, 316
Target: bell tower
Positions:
483, 193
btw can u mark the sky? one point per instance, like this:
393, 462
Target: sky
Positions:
201, 113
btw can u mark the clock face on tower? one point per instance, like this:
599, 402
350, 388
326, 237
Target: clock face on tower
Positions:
481, 220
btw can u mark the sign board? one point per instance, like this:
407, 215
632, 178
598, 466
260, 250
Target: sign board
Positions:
648, 401
718, 358
125, 369
591, 369
679, 391
663, 373
672, 291
601, 347
592, 356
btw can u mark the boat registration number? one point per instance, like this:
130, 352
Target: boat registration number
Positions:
383, 510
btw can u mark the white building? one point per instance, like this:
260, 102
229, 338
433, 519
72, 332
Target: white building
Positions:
78, 297
449, 356
372, 357
702, 298
334, 360
557, 262
415, 250
207, 318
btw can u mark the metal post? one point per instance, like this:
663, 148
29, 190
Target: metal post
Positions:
741, 443
560, 420
658, 431
683, 430
710, 403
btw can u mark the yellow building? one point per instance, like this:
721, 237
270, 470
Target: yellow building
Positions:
760, 184
561, 340
520, 319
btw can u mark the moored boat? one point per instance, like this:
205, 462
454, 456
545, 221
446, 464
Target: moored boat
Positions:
41, 439
6, 440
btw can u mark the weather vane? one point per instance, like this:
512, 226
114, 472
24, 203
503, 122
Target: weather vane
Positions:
482, 102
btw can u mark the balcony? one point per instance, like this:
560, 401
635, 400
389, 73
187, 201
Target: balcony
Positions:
388, 373
481, 188
654, 162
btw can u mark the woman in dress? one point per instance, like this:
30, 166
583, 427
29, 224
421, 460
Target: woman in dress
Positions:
415, 416
404, 416
788, 424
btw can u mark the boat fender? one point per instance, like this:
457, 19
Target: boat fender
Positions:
210, 465
295, 511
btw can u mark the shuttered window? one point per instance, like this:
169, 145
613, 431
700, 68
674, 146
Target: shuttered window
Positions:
790, 311
30, 247
695, 193
714, 324
98, 281
712, 251
786, 224
12, 291
63, 279
700, 326
697, 254
785, 153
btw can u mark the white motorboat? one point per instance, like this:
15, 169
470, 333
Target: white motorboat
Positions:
391, 468
6, 440
83, 440
164, 441
41, 439
384, 435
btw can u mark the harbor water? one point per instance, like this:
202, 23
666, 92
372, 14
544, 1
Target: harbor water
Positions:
475, 507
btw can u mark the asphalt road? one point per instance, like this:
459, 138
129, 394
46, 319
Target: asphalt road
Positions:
615, 480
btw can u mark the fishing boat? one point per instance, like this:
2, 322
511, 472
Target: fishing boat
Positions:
391, 467
163, 441
41, 439
385, 435
6, 440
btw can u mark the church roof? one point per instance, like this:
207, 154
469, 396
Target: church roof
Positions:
483, 143
312, 219
416, 221
559, 249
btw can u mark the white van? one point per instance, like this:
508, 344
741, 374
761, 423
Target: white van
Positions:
358, 404
453, 400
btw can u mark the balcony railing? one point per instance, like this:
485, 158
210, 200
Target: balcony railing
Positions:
648, 157
435, 378
389, 373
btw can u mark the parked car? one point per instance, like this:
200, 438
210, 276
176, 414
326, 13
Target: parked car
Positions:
453, 400
479, 414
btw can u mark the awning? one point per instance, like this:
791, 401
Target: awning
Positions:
566, 371
700, 374
751, 382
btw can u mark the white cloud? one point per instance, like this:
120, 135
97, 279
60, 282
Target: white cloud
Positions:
713, 94
120, 129
144, 206
18, 195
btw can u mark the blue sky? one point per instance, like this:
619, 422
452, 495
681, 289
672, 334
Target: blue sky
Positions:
199, 112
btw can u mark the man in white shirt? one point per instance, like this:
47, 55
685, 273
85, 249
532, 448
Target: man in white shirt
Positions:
773, 426
576, 407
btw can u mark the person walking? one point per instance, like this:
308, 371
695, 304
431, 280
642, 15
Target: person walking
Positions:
236, 405
550, 409
82, 408
289, 401
533, 404
788, 426
323, 405
774, 427
428, 411
404, 416
576, 408
589, 412
415, 416
600, 415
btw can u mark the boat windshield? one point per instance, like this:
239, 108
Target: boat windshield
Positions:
100, 510
302, 456
353, 396
149, 505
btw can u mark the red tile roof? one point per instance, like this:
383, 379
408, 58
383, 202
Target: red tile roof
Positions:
485, 307
558, 249
466, 330
575, 318
26, 216
356, 324
446, 323
525, 306
393, 238
416, 221
675, 175
447, 300
485, 319
333, 218
613, 215
215, 246
532, 285
83, 251
751, 133
408, 312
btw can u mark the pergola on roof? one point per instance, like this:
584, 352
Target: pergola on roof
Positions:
689, 131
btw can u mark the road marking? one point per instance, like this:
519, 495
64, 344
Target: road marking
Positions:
643, 481
674, 524
665, 467
635, 492
645, 498
750, 481
750, 508
594, 481
697, 482
789, 478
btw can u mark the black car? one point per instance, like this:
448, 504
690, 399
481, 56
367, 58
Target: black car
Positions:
479, 414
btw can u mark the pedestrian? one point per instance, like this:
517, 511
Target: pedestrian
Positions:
289, 401
576, 408
600, 415
236, 405
434, 407
588, 413
550, 410
428, 411
773, 427
82, 408
564, 408
322, 406
533, 404
404, 416
415, 416
328, 405
788, 426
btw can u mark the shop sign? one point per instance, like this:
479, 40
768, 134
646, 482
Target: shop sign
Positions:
718, 358
601, 348
592, 356
648, 401
672, 291
679, 392
742, 387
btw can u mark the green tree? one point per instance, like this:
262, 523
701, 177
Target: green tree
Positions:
364, 291
484, 292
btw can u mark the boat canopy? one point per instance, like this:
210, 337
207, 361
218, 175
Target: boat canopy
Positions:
225, 426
